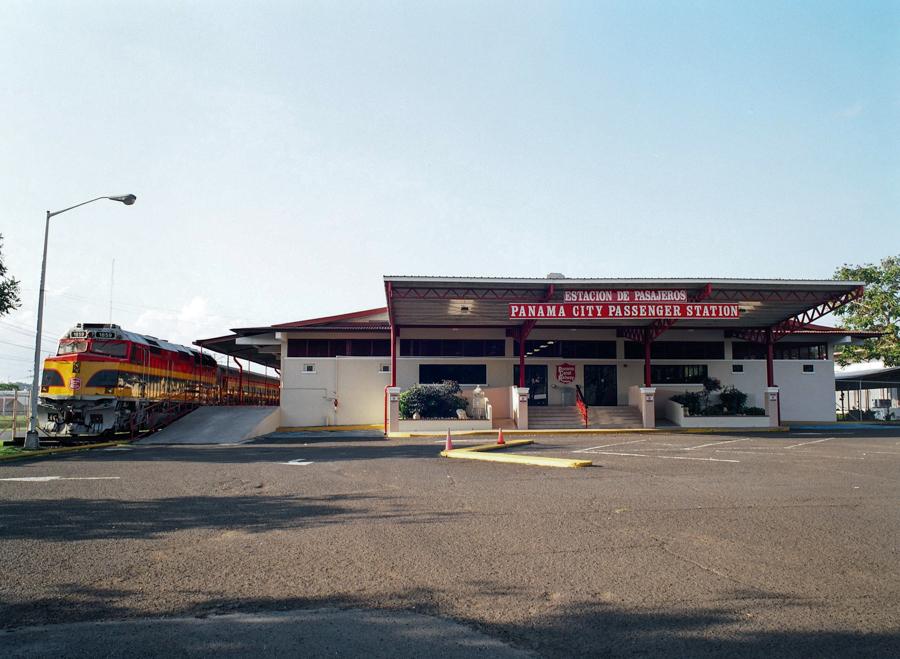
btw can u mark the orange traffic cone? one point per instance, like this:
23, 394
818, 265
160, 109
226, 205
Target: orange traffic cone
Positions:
449, 445
500, 436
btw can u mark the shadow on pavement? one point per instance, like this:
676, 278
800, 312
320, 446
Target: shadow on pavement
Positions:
582, 628
115, 519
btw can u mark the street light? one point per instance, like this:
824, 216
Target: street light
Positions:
31, 437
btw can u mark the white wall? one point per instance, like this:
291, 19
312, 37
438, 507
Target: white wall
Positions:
359, 386
805, 396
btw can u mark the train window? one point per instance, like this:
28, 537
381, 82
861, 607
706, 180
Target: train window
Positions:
70, 347
110, 348
51, 378
106, 378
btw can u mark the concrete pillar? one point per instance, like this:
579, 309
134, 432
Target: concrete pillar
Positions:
648, 406
393, 409
770, 398
522, 409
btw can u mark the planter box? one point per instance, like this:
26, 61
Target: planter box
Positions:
441, 425
675, 414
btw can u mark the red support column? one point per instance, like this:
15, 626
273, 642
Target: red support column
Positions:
393, 356
770, 356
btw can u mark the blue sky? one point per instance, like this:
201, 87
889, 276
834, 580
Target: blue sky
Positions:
286, 155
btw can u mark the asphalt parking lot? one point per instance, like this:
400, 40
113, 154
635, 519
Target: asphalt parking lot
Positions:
781, 544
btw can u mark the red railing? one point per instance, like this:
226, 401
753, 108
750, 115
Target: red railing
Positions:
582, 406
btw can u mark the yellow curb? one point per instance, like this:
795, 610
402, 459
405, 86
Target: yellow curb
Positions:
513, 458
583, 431
329, 428
492, 447
479, 453
53, 451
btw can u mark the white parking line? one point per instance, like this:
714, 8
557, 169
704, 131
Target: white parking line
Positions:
817, 441
585, 450
661, 457
727, 441
297, 462
45, 479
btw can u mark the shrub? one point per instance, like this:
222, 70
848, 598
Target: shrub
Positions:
715, 410
754, 411
432, 401
733, 400
691, 400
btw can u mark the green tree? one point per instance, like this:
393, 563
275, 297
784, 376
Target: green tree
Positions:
9, 288
878, 310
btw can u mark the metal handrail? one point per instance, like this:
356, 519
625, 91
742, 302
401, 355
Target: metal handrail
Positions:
582, 406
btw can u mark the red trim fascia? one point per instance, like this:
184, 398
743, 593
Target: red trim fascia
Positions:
766, 296
329, 319
796, 324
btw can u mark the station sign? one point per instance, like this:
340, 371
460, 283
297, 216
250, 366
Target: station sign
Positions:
565, 373
659, 295
620, 311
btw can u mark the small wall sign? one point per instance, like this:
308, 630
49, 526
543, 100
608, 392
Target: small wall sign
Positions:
565, 373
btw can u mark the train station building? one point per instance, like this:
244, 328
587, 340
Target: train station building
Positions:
559, 352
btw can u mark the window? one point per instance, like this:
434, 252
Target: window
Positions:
71, 347
107, 378
461, 373
677, 350
569, 349
51, 378
785, 350
453, 347
339, 347
681, 374
309, 368
110, 348
809, 368
737, 368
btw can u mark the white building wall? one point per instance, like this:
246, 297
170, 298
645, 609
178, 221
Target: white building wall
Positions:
806, 396
358, 384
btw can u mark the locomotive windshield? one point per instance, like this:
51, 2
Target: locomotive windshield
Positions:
68, 347
109, 348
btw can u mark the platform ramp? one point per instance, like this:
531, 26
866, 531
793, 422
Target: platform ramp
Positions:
218, 425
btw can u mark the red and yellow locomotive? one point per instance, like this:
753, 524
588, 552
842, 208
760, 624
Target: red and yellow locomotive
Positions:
104, 379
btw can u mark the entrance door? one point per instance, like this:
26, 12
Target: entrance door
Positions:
536, 381
600, 385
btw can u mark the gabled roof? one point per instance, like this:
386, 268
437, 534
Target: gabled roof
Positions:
356, 316
812, 328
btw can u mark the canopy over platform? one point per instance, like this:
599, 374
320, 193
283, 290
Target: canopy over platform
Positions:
262, 345
485, 302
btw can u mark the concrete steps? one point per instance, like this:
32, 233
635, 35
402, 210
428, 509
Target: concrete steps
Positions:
568, 417
621, 416
553, 417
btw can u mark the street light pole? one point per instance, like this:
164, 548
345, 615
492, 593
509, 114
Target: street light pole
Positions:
31, 436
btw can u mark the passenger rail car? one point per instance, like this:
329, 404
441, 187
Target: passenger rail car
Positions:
104, 379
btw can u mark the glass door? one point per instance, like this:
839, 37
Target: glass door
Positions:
599, 385
536, 381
